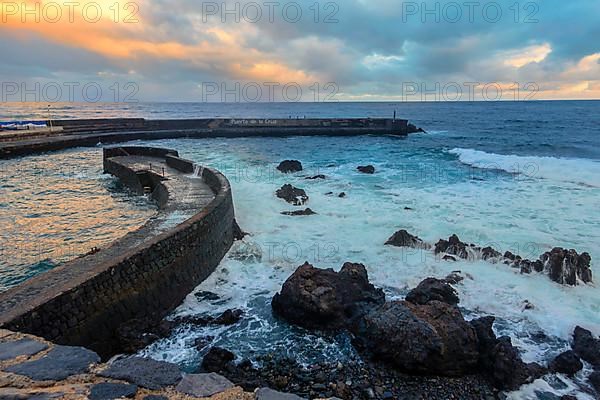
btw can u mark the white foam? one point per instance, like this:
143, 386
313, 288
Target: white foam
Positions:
574, 170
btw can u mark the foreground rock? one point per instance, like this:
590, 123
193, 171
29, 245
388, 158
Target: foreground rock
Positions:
298, 213
566, 363
433, 289
144, 372
290, 166
567, 266
500, 360
368, 169
404, 239
586, 346
325, 299
203, 385
270, 394
292, 195
431, 339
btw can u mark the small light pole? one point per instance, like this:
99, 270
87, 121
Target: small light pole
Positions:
49, 118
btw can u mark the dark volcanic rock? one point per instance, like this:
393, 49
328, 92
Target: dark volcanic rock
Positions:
288, 166
594, 380
368, 169
586, 346
144, 372
342, 195
270, 394
60, 363
110, 391
217, 359
292, 195
229, 317
323, 298
567, 266
433, 289
500, 360
429, 339
307, 211
566, 363
488, 253
238, 233
404, 239
320, 176
137, 334
21, 347
452, 246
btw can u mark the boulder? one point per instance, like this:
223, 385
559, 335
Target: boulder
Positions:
566, 363
297, 213
594, 380
325, 299
452, 246
270, 394
289, 166
292, 195
229, 317
203, 385
404, 239
217, 360
367, 169
137, 334
110, 391
586, 346
429, 339
433, 289
500, 360
567, 266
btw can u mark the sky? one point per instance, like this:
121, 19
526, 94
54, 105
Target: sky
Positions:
345, 50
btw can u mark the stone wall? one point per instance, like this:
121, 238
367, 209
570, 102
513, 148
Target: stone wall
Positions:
144, 282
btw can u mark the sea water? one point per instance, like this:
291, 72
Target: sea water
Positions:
522, 177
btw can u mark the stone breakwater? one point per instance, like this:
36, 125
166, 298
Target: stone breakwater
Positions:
145, 274
33, 368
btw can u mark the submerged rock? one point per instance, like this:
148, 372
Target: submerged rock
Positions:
566, 363
312, 178
586, 346
246, 251
430, 339
289, 166
325, 299
567, 266
217, 359
367, 169
404, 239
307, 211
433, 289
292, 195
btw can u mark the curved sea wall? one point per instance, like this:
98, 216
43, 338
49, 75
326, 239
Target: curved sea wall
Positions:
145, 274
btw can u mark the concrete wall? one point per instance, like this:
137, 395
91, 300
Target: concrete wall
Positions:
145, 282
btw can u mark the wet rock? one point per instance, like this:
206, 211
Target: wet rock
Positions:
454, 278
489, 253
450, 258
110, 391
201, 342
567, 266
144, 372
60, 363
323, 298
452, 246
238, 233
270, 394
428, 339
586, 346
217, 359
206, 296
566, 363
568, 397
137, 334
500, 360
312, 178
21, 347
368, 169
433, 289
289, 166
229, 317
404, 239
203, 385
292, 195
342, 195
307, 211
594, 380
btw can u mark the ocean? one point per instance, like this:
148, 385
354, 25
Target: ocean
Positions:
520, 176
